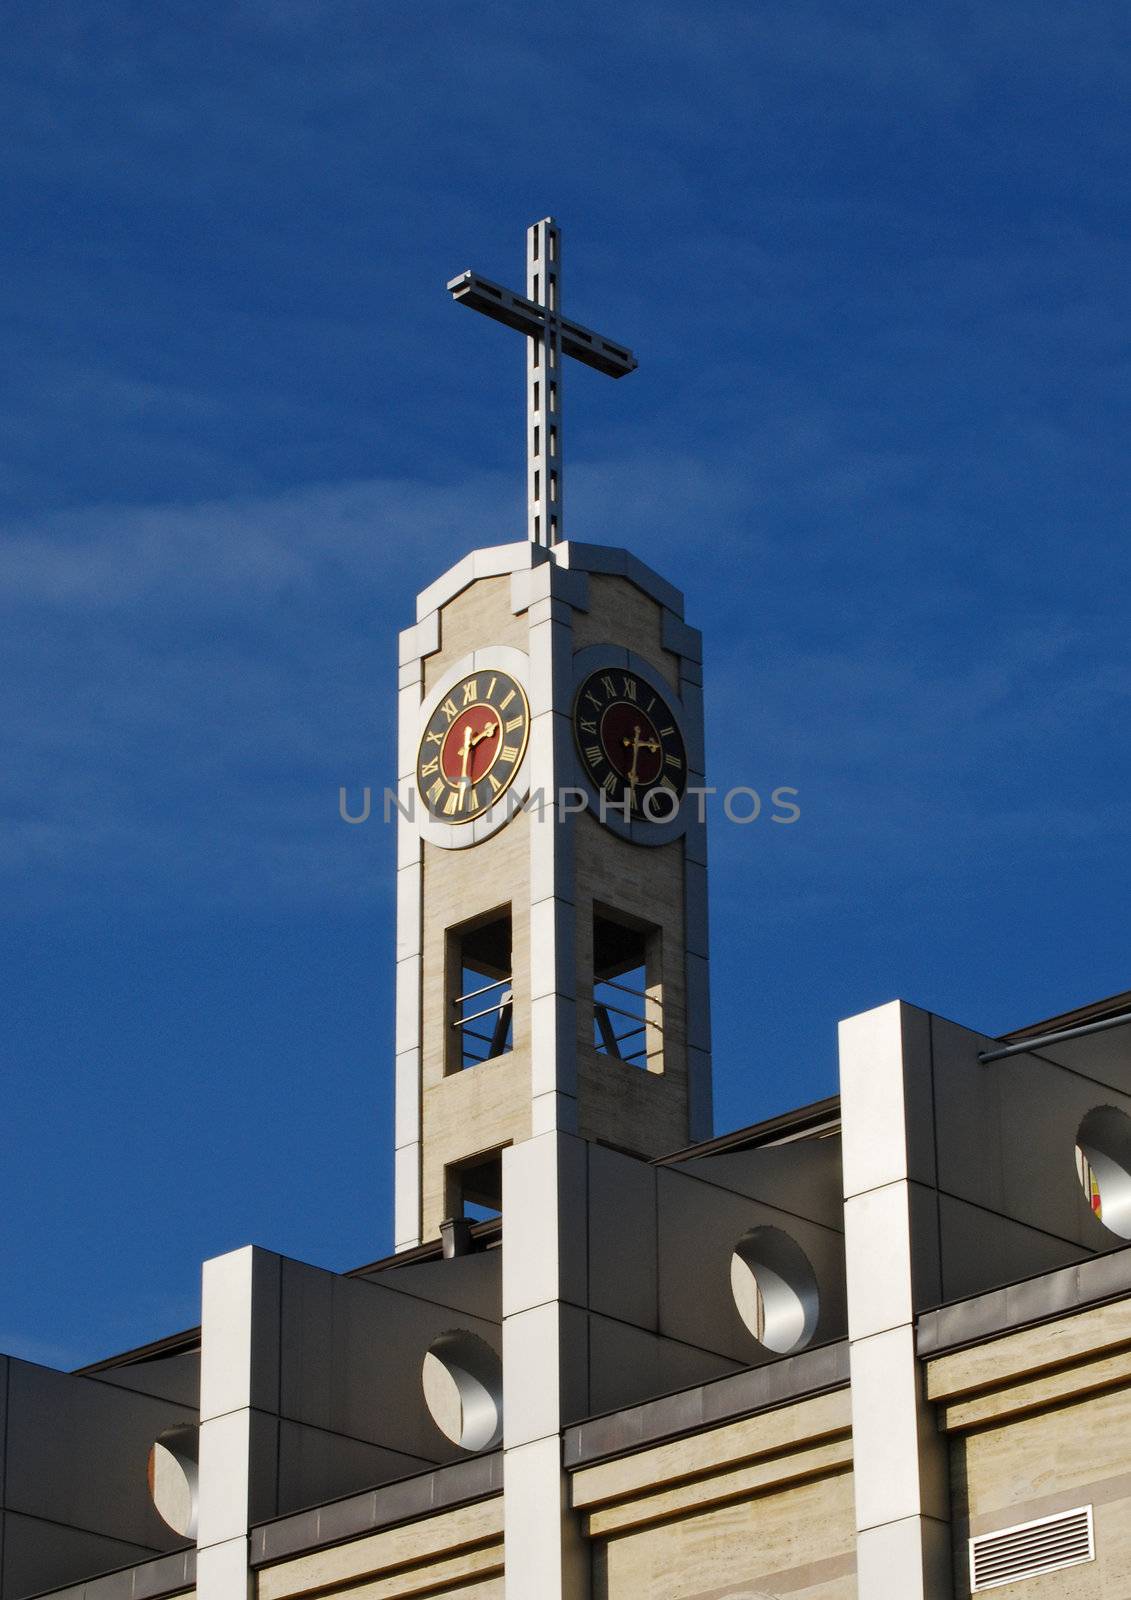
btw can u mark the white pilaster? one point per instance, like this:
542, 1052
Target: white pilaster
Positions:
553, 999
900, 1465
415, 642
238, 1367
545, 1372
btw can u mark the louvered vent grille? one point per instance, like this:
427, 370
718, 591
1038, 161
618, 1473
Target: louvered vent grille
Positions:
1031, 1548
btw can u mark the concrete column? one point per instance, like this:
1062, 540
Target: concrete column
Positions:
553, 960
239, 1381
688, 644
410, 870
900, 1462
545, 1362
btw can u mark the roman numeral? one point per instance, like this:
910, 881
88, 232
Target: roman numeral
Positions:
666, 733
587, 725
593, 753
674, 761
450, 709
650, 704
491, 688
609, 783
470, 691
472, 800
590, 696
609, 687
496, 786
453, 803
434, 738
630, 689
430, 767
515, 722
506, 700
509, 752
435, 792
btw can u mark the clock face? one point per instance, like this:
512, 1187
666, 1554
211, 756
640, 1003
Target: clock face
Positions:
630, 744
472, 746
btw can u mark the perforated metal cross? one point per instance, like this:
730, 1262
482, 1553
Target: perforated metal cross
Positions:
550, 336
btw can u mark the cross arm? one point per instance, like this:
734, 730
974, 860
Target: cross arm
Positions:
517, 311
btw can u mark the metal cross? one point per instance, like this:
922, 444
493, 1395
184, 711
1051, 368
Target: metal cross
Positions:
549, 337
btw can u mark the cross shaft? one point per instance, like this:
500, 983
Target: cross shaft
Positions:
549, 336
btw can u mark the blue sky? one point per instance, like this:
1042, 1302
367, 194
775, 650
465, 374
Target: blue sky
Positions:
874, 263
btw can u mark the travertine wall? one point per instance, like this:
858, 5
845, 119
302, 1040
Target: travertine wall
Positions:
620, 614
1040, 1423
619, 1102
480, 615
755, 1508
457, 1553
487, 1106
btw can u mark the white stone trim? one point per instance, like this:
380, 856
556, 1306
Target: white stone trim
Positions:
546, 1554
406, 1196
549, 582
681, 639
493, 561
899, 1457
410, 912
223, 1571
225, 1463
406, 1111
698, 978
545, 1358
877, 1246
873, 1083
225, 1356
410, 851
910, 1559
700, 1094
419, 641
239, 1364
409, 697
407, 1004
619, 563
554, 1112
695, 908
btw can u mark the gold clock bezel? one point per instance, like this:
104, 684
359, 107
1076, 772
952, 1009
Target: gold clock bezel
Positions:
484, 802
592, 768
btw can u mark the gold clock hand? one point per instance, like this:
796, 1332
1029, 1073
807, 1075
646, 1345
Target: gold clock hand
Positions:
637, 744
465, 753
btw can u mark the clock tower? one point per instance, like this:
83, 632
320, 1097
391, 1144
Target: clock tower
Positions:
551, 914
552, 901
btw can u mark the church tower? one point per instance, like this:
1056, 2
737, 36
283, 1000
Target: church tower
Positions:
551, 912
552, 899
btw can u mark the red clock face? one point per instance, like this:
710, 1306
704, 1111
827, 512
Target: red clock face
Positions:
472, 746
630, 744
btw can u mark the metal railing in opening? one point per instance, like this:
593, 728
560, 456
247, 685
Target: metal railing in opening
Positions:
617, 1004
484, 1030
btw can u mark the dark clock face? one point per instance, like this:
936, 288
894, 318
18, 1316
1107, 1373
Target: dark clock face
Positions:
472, 746
630, 744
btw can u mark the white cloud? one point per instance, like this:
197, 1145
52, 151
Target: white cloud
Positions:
249, 549
185, 687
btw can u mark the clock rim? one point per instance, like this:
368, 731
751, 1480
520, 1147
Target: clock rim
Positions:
665, 698
462, 822
417, 709
641, 831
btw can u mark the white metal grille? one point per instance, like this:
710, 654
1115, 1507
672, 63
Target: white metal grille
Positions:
1031, 1548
